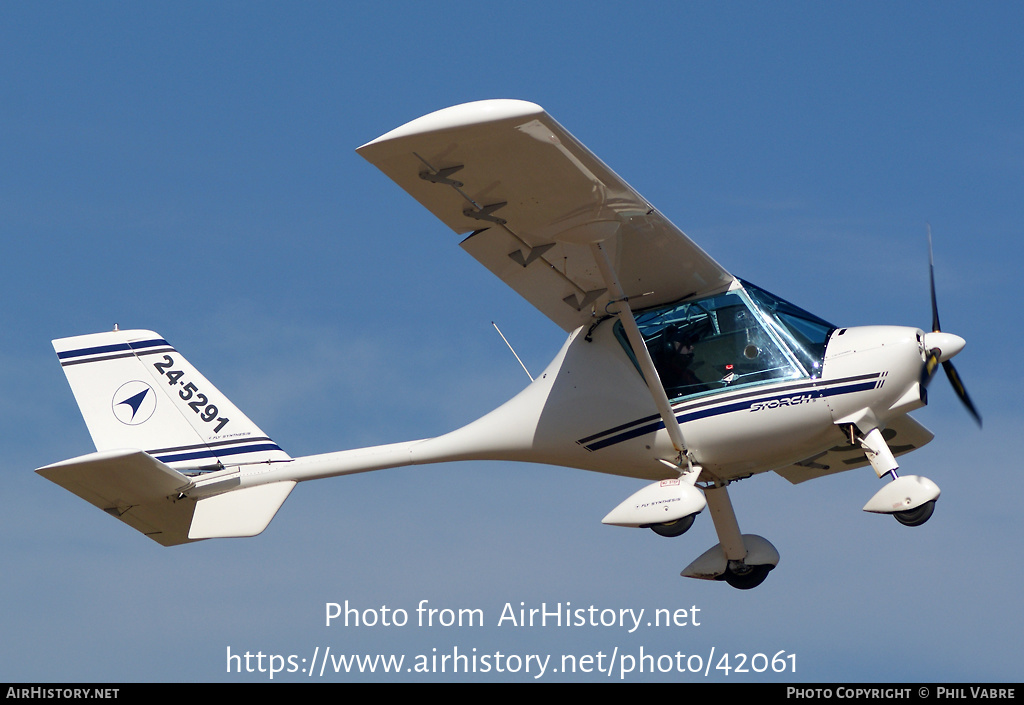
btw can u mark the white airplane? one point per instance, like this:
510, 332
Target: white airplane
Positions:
674, 371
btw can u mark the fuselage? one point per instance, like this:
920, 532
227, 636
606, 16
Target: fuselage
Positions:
591, 409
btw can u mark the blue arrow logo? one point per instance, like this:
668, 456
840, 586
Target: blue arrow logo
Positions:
134, 403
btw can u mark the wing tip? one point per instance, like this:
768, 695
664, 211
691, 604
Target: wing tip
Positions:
476, 112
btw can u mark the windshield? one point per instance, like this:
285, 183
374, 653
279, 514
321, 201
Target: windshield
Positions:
742, 337
805, 333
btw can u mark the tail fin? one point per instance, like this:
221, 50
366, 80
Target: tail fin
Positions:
161, 432
136, 391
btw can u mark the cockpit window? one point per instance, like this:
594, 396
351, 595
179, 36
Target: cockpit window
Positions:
729, 340
805, 333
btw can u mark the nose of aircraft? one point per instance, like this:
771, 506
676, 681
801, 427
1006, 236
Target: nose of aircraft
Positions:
947, 343
939, 347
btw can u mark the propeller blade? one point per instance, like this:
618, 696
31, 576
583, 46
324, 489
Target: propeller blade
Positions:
961, 391
952, 343
931, 278
931, 363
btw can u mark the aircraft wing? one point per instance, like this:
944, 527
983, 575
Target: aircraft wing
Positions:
903, 435
533, 199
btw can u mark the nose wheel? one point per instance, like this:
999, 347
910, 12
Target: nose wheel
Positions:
917, 516
909, 498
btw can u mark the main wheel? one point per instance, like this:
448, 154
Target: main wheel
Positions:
674, 528
917, 515
749, 580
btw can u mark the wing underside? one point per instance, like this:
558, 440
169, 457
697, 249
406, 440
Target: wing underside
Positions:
902, 435
532, 200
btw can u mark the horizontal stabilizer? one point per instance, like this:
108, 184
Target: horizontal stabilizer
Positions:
146, 494
134, 487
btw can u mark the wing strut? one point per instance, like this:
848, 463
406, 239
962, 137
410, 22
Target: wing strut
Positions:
643, 355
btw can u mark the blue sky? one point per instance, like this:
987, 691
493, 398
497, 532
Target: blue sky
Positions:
189, 168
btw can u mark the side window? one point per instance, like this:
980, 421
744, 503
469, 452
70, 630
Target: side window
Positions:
673, 350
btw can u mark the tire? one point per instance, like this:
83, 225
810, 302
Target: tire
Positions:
749, 580
917, 515
674, 528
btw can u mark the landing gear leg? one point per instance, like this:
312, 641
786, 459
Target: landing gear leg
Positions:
910, 499
728, 529
741, 560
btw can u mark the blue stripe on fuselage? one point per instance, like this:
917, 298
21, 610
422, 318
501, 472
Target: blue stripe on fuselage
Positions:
656, 423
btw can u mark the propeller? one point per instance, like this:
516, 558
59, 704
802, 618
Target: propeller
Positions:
941, 346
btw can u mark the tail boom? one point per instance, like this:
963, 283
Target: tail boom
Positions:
177, 461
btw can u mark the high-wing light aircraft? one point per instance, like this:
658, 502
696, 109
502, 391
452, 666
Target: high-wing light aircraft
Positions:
674, 371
